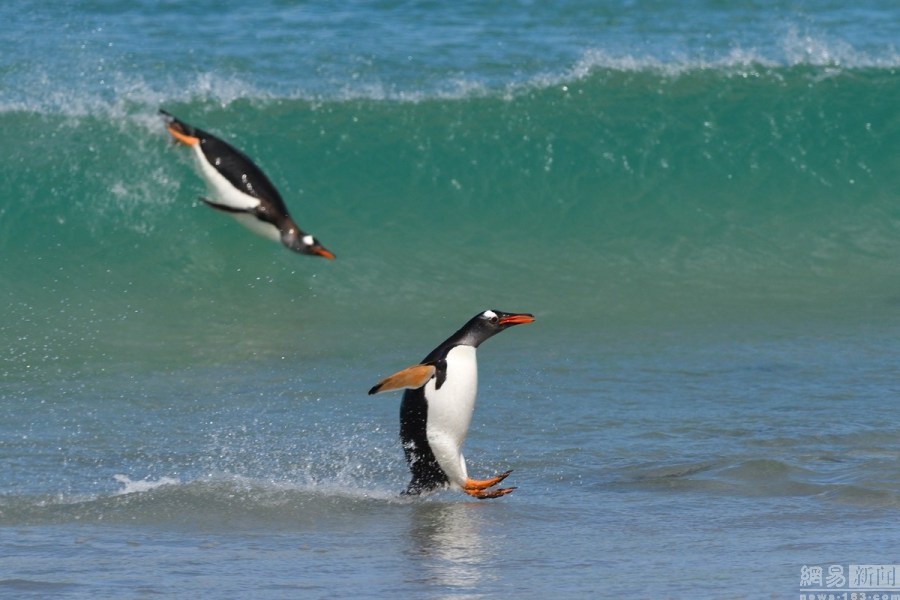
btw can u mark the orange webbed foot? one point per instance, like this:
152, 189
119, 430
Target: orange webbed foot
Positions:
478, 487
484, 494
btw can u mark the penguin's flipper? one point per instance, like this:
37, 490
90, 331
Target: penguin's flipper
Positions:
181, 132
225, 208
411, 377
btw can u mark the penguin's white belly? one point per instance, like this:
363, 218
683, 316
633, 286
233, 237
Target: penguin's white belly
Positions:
226, 193
450, 411
267, 230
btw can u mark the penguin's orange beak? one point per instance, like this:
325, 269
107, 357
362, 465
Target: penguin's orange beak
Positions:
518, 319
323, 253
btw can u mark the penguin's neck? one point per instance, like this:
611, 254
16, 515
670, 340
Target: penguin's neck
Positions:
467, 335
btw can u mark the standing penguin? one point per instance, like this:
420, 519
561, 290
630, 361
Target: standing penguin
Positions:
438, 404
242, 189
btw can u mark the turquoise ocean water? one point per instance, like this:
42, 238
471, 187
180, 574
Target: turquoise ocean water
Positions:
698, 202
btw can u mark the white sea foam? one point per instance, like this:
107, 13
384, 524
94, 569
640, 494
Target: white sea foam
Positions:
130, 486
793, 48
124, 93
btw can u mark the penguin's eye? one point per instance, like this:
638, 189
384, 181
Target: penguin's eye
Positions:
494, 319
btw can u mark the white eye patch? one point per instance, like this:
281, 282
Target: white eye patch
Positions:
489, 314
308, 240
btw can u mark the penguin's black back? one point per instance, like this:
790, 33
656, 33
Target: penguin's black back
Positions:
240, 171
426, 473
235, 166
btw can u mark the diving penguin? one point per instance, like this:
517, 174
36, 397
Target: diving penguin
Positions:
438, 404
242, 189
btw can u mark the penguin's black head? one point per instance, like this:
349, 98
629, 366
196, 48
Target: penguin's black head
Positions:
489, 323
304, 243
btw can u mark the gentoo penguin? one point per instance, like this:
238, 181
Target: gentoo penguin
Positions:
438, 404
242, 189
